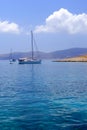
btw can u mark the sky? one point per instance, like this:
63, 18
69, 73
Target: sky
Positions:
56, 24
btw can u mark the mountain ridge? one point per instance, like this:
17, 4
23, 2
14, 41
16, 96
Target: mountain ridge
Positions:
59, 54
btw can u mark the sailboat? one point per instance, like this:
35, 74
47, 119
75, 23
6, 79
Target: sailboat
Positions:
11, 60
31, 60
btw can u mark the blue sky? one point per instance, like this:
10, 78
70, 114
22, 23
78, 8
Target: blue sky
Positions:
57, 24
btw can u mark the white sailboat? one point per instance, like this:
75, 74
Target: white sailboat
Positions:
31, 60
11, 59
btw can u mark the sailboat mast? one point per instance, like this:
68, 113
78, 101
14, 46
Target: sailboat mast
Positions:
32, 44
10, 53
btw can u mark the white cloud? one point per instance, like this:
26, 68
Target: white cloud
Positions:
7, 27
63, 20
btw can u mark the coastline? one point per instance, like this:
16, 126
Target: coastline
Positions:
73, 59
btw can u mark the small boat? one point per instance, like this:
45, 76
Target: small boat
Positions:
31, 60
11, 59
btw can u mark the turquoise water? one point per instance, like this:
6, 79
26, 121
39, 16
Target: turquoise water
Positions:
47, 96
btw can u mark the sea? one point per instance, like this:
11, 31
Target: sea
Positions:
47, 96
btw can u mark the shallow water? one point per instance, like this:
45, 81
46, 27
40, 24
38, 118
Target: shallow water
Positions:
47, 96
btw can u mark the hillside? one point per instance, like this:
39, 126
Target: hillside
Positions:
74, 59
72, 52
61, 54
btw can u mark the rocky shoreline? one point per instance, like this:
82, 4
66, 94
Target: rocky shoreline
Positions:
73, 59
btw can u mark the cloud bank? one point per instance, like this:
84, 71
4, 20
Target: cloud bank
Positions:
7, 27
64, 21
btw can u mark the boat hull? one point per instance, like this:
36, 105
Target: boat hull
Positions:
29, 61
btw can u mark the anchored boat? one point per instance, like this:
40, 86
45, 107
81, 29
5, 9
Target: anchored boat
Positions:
31, 60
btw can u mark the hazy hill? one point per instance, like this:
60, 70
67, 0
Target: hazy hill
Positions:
72, 52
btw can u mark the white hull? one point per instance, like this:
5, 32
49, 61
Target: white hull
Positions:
28, 61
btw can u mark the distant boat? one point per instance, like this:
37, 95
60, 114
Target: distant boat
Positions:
31, 60
11, 59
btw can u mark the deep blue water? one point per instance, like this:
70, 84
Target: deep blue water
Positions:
47, 96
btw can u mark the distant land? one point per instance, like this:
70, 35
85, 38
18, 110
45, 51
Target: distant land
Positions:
82, 58
60, 54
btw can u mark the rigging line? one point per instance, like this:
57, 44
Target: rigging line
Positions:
36, 48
